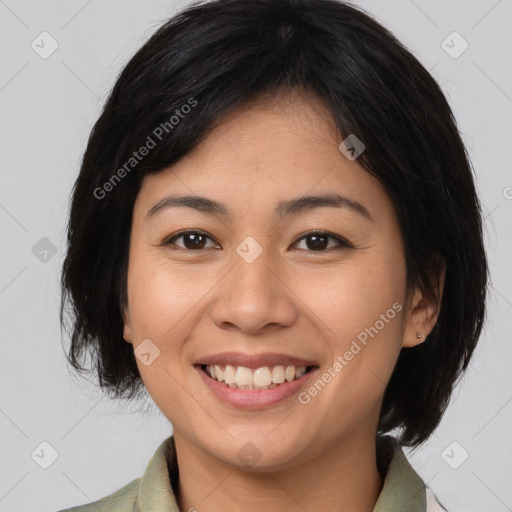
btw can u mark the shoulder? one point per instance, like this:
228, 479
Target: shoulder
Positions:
123, 500
152, 491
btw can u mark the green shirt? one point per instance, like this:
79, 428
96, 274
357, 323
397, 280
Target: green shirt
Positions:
403, 489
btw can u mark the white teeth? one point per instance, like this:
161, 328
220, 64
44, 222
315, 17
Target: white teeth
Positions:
243, 377
261, 378
278, 374
229, 375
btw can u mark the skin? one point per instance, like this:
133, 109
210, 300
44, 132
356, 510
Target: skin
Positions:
292, 299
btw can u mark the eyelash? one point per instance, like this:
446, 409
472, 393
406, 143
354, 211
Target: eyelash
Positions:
342, 243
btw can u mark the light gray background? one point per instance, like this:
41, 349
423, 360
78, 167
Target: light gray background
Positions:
48, 107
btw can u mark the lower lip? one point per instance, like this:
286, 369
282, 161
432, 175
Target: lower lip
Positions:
254, 399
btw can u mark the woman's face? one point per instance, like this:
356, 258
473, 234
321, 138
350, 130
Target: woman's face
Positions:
250, 282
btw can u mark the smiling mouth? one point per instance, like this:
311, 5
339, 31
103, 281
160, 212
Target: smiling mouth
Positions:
265, 377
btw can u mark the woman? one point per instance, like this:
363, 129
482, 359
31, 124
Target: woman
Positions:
275, 232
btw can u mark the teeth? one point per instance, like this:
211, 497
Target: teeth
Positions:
229, 375
299, 372
241, 377
262, 377
278, 374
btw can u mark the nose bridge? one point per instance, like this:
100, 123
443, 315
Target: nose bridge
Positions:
255, 296
252, 277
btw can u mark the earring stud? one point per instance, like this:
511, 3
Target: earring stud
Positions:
418, 335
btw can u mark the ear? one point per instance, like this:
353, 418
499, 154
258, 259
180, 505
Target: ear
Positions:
424, 311
127, 329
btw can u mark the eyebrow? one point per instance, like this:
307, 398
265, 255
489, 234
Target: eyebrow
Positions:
284, 208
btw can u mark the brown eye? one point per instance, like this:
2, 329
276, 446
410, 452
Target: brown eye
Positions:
192, 240
318, 241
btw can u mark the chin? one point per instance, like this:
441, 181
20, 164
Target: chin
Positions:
258, 453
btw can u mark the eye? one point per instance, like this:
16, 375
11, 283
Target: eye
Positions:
193, 240
320, 241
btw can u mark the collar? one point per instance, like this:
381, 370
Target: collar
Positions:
403, 489
155, 490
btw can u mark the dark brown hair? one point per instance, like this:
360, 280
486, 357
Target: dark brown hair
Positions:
223, 53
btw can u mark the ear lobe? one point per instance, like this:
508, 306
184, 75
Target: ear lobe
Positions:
424, 312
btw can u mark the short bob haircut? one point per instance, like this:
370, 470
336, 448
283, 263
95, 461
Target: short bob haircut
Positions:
211, 59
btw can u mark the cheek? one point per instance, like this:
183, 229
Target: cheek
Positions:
161, 300
350, 297
360, 306
162, 294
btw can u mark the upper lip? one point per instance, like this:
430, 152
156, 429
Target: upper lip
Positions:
255, 361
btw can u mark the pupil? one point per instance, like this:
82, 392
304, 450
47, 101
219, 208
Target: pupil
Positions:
195, 237
316, 245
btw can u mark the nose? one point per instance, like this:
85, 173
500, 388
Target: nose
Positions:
254, 297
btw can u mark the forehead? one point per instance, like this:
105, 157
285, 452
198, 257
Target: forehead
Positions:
269, 150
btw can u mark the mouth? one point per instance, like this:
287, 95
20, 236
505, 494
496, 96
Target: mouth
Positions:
254, 379
254, 387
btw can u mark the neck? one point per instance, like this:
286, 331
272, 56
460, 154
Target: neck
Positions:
344, 476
